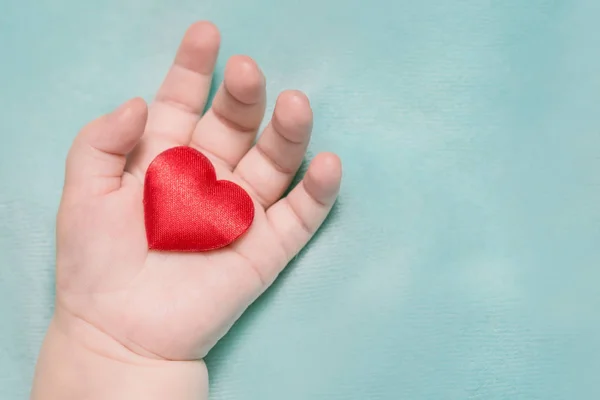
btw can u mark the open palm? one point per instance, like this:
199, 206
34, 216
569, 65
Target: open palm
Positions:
178, 305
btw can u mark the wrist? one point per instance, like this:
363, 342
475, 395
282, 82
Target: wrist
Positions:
79, 362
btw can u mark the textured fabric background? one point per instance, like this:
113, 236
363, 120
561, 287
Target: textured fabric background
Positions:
463, 259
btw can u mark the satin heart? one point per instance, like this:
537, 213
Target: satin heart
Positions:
187, 209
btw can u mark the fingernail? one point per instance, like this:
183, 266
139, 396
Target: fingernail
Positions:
120, 112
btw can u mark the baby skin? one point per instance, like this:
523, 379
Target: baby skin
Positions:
130, 323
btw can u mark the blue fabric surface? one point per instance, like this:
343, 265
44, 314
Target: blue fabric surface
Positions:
462, 261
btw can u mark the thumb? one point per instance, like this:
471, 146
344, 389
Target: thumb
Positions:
96, 160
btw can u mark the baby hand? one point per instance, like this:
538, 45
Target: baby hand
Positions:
123, 311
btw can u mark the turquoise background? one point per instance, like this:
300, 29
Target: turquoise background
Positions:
463, 259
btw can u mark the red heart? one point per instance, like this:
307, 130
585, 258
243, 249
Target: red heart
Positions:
187, 209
